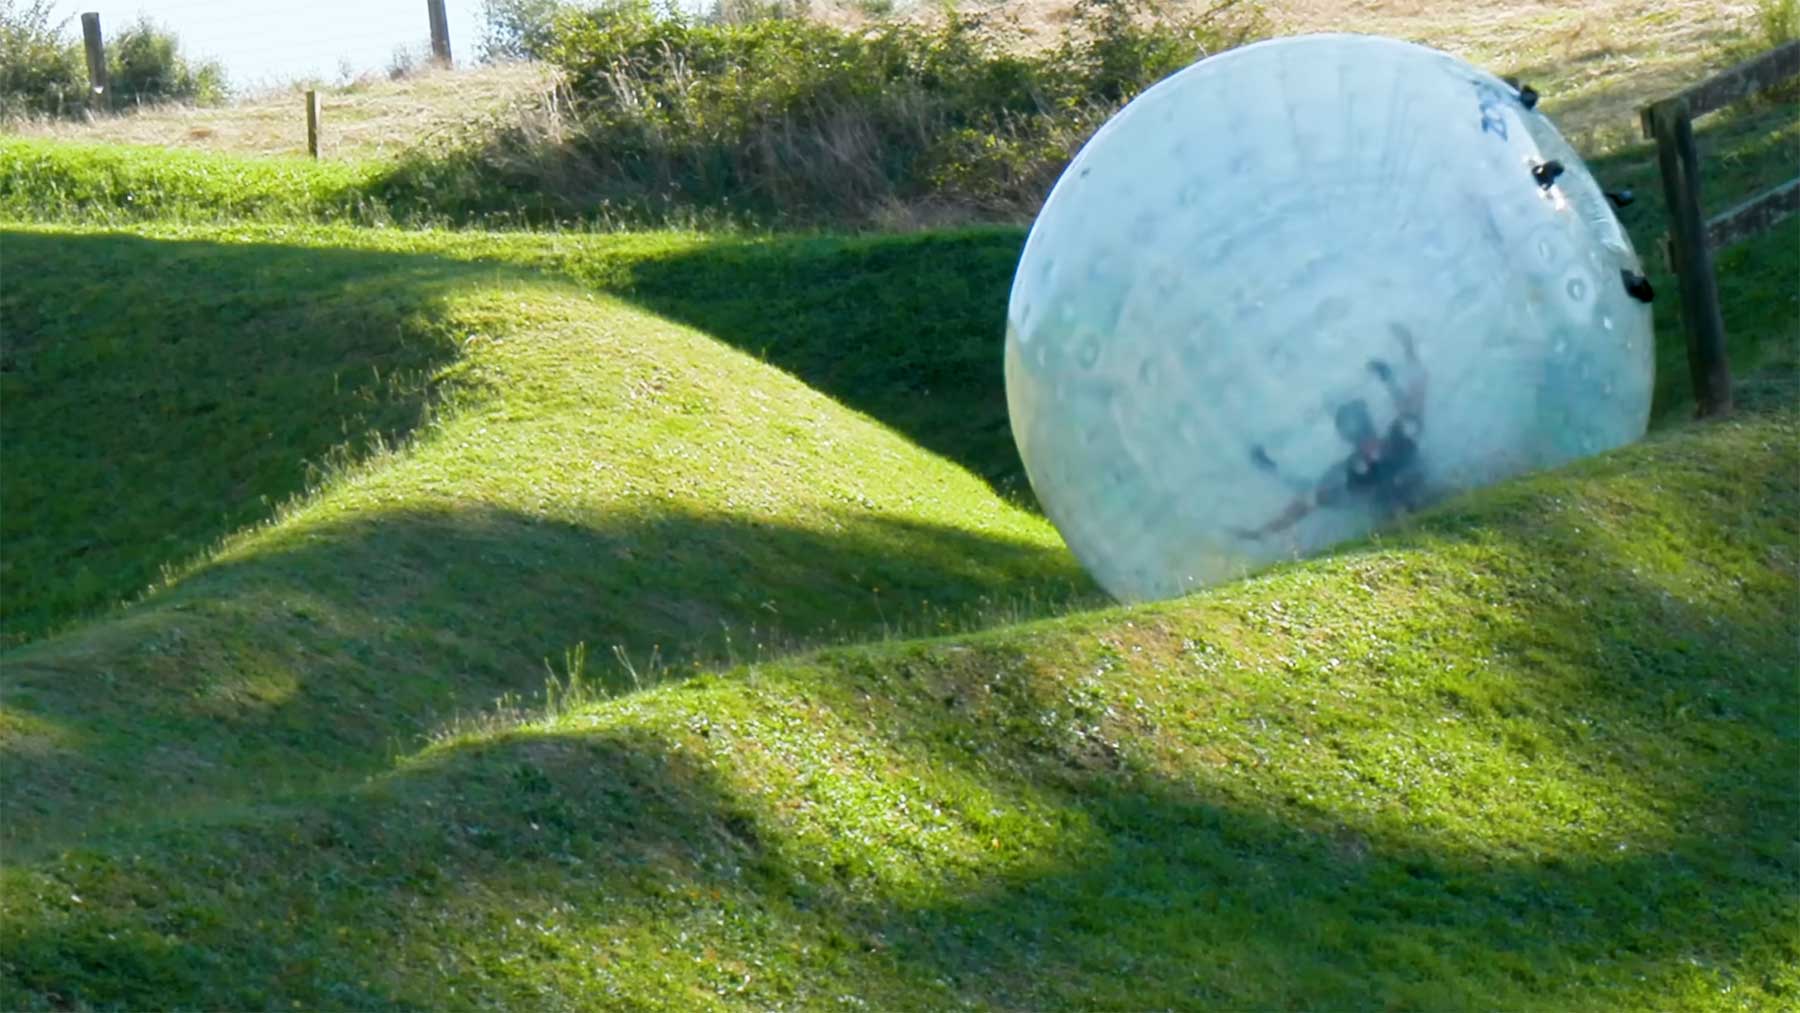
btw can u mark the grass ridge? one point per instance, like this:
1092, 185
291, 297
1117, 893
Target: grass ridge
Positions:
918, 823
868, 741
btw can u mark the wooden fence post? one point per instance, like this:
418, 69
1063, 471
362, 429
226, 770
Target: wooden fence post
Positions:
96, 52
1692, 253
440, 31
312, 123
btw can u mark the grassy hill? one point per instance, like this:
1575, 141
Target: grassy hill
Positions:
773, 133
570, 469
1494, 759
463, 619
364, 118
1593, 62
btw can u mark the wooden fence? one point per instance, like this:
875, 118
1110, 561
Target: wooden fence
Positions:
1692, 236
95, 47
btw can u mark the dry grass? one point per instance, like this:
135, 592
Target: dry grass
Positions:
364, 119
1595, 61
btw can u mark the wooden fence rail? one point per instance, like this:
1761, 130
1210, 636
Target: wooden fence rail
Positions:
1692, 236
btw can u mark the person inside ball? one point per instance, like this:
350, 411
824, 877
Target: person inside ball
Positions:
1382, 467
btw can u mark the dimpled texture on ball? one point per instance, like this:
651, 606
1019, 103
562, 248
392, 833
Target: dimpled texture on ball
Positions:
1288, 250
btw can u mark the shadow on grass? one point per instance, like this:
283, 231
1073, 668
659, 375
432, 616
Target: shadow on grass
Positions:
324, 653
173, 392
505, 867
908, 330
160, 395
644, 861
184, 392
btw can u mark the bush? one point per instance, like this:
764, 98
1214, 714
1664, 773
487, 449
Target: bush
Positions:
771, 115
1778, 21
41, 70
146, 65
517, 29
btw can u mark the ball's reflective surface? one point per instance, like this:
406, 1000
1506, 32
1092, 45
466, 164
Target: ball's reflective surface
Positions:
1304, 287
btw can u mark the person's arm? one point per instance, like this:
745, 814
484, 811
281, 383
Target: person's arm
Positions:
1409, 399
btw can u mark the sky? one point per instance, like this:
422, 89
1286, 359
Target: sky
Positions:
265, 43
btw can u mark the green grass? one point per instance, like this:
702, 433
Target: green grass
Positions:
296, 515
1743, 153
572, 469
196, 382
202, 375
62, 180
1536, 752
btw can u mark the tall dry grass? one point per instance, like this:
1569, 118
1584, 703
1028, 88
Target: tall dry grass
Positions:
788, 120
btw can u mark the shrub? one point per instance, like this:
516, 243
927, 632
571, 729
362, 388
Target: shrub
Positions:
405, 62
41, 70
1778, 21
517, 29
779, 116
146, 65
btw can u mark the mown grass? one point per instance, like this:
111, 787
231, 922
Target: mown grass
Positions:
361, 119
198, 385
1534, 750
574, 470
204, 374
1489, 759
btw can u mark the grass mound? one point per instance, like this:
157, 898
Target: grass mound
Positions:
1535, 749
543, 467
1490, 760
204, 374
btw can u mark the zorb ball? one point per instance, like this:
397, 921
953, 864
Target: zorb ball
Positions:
1305, 287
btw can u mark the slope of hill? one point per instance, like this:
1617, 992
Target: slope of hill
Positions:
1493, 757
404, 619
526, 466
1535, 752
364, 119
1594, 61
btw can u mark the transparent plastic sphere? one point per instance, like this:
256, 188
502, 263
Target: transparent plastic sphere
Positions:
1303, 288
